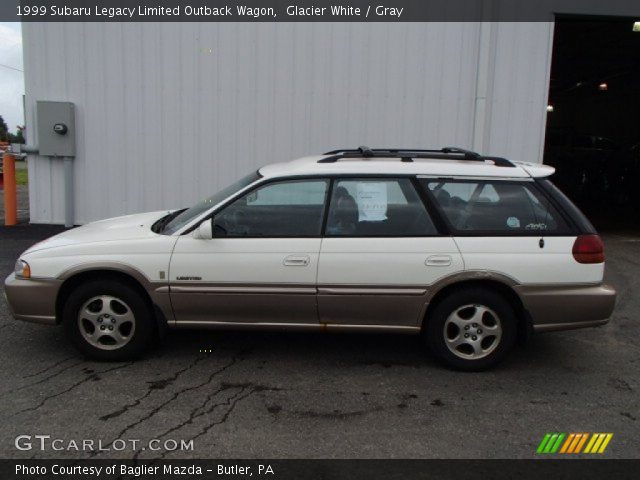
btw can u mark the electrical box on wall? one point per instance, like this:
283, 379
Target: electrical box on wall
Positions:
56, 129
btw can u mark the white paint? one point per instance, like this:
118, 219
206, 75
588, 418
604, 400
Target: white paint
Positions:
126, 240
386, 261
372, 261
522, 259
246, 260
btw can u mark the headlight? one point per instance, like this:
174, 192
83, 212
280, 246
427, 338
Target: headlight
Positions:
22, 269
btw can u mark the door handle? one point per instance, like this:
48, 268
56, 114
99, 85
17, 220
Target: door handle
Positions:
296, 261
438, 261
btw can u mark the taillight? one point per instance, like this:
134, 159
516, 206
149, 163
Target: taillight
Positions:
588, 249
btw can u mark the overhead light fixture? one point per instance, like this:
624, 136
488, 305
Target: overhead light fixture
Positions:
603, 87
636, 26
549, 108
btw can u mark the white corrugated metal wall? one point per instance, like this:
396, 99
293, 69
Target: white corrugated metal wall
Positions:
168, 113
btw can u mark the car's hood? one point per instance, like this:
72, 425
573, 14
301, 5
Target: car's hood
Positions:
127, 227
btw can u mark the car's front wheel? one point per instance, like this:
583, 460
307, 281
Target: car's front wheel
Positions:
471, 329
108, 320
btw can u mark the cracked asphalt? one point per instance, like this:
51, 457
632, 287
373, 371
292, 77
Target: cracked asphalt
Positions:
285, 395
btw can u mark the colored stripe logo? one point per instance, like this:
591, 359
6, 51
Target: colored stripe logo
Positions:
556, 442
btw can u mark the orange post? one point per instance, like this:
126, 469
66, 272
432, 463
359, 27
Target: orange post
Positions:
10, 199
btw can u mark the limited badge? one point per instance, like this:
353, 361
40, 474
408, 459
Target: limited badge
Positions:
513, 222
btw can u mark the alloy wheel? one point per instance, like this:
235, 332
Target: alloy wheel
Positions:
106, 322
472, 332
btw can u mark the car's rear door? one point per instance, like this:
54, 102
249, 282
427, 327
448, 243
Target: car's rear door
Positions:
380, 254
261, 265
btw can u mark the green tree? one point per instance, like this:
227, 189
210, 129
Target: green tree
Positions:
18, 137
7, 136
4, 130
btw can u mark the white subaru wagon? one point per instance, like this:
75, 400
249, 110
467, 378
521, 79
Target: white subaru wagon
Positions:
472, 252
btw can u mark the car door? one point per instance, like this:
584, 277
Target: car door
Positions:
261, 264
380, 254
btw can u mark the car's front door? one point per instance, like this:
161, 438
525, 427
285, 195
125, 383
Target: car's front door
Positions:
262, 263
380, 254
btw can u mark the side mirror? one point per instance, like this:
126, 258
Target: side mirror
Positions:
204, 231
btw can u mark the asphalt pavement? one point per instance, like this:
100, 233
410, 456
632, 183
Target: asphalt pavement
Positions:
285, 395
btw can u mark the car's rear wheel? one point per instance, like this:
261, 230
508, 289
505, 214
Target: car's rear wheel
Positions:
471, 329
108, 320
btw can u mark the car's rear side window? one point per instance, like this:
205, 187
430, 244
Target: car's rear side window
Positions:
495, 207
377, 207
582, 222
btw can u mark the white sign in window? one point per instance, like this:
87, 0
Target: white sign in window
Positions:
372, 201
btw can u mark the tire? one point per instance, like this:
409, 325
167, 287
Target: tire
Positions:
471, 329
108, 320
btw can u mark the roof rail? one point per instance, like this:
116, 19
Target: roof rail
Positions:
365, 151
379, 150
408, 154
467, 153
500, 161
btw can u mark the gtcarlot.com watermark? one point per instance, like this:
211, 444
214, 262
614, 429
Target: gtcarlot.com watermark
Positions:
49, 443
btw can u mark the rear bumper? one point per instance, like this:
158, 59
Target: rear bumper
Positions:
567, 307
32, 300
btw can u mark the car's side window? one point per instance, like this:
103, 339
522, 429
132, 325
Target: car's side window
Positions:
375, 207
293, 208
503, 207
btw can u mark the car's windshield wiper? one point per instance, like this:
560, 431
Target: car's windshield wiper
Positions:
160, 225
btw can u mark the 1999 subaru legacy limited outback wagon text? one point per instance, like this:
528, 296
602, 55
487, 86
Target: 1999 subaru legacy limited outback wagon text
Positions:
469, 251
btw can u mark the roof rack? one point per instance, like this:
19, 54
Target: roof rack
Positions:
408, 154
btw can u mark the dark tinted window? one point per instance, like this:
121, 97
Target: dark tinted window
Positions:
516, 208
283, 209
568, 206
369, 207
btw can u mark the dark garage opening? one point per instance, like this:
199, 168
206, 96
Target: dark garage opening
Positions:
593, 120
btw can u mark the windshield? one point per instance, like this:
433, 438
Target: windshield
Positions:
199, 208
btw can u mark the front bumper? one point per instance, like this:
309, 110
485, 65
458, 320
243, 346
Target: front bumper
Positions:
567, 307
33, 299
